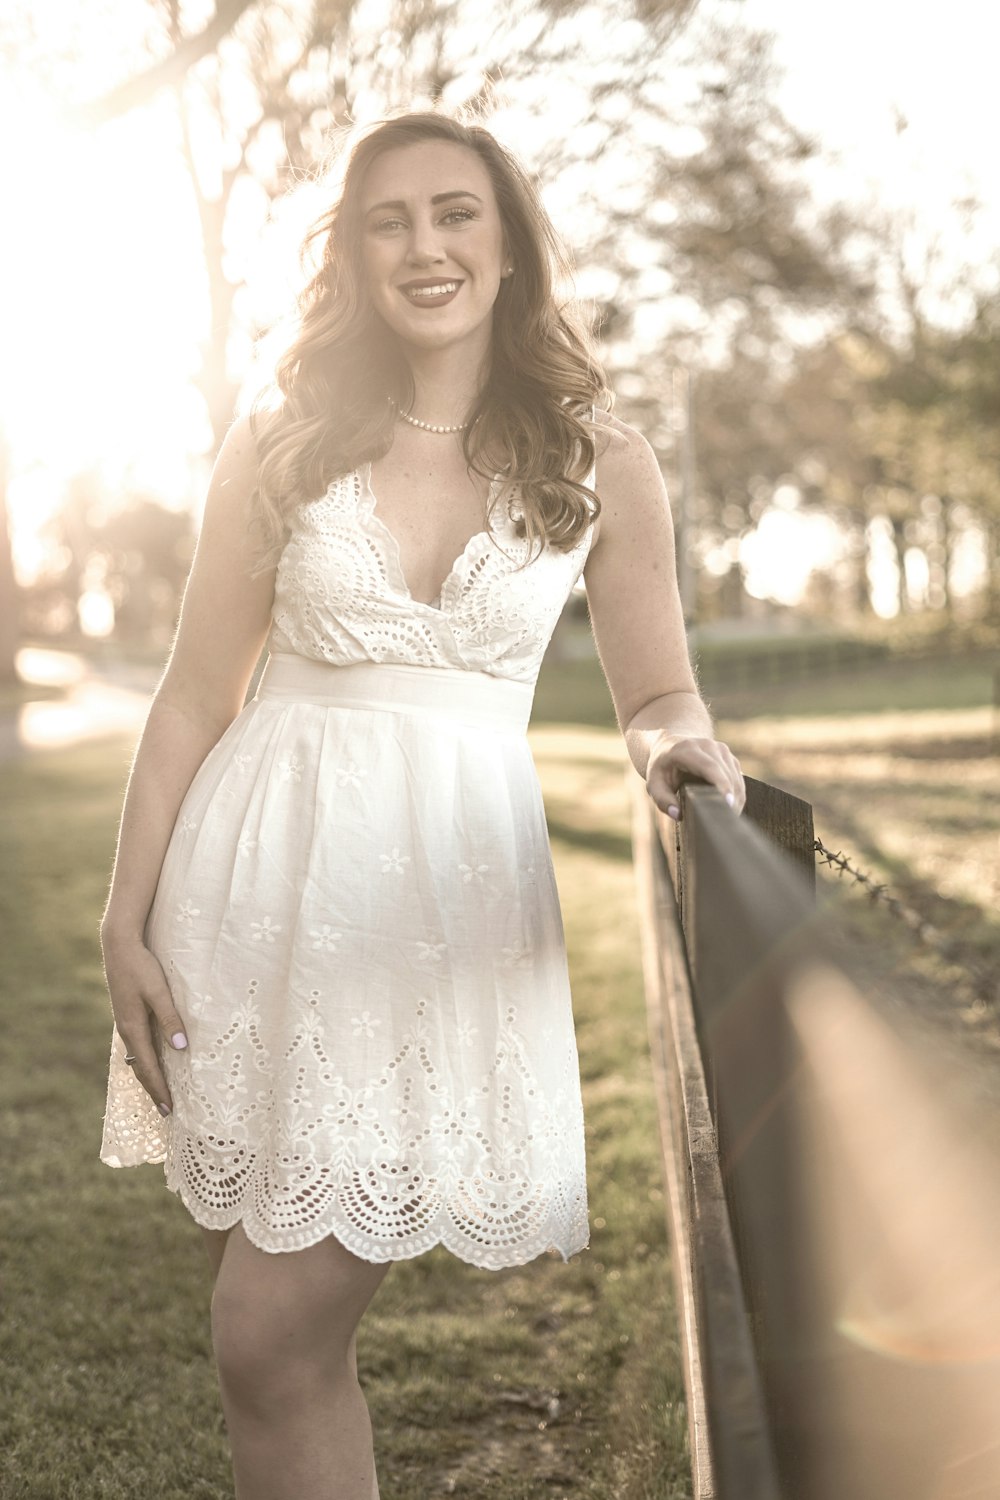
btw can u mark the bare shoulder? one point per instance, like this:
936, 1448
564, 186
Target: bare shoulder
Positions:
234, 477
629, 481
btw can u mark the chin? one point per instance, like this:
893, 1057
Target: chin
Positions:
442, 334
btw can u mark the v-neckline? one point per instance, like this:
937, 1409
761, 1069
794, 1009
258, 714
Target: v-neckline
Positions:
395, 556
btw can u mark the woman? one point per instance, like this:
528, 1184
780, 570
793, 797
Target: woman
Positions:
333, 942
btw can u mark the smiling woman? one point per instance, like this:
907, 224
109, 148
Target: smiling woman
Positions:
333, 942
437, 206
453, 235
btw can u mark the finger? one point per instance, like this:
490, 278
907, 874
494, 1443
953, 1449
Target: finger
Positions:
739, 786
167, 1017
138, 1040
664, 797
720, 768
698, 765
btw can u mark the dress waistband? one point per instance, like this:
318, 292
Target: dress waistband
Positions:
467, 697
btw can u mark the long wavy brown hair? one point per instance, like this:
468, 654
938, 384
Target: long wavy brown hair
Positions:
328, 410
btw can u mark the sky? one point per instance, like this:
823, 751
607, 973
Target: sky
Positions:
852, 68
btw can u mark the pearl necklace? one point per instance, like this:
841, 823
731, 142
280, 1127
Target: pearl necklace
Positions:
425, 426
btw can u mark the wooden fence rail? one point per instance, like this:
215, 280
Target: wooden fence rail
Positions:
834, 1218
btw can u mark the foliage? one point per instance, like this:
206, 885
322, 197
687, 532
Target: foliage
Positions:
137, 554
834, 351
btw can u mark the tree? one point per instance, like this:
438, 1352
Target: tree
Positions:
8, 584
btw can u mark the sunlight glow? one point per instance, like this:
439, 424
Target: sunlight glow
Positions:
101, 301
779, 556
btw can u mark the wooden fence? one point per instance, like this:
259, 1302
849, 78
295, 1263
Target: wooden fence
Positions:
834, 1211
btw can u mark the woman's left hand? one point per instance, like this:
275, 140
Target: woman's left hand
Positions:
673, 759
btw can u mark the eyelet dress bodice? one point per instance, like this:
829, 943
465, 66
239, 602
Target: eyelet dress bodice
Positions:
341, 597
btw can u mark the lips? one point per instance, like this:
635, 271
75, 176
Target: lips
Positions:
431, 293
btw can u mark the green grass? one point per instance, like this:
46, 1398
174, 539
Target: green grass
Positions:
898, 684
547, 1380
575, 691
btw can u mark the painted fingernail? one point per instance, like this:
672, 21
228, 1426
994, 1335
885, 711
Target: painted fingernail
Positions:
730, 798
673, 812
164, 1109
179, 1040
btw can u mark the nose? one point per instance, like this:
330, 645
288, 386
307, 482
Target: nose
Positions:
424, 248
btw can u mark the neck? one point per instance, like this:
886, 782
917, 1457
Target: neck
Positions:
446, 382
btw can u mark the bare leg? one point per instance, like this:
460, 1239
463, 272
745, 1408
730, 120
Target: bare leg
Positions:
283, 1329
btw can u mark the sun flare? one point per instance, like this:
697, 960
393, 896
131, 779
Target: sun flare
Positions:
101, 301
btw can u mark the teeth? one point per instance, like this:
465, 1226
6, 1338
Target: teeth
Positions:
432, 291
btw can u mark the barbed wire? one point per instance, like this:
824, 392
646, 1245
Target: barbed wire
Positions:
984, 984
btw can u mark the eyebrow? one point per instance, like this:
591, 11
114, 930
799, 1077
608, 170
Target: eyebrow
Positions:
437, 198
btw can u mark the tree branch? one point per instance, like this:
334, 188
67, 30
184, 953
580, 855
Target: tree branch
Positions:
168, 70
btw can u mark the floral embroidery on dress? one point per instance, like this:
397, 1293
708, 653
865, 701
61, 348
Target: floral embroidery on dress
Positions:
430, 953
350, 775
325, 938
265, 930
365, 1024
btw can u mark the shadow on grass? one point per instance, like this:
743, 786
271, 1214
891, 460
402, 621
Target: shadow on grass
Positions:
573, 692
970, 747
595, 840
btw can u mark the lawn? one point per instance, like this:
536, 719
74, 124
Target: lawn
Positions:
552, 1379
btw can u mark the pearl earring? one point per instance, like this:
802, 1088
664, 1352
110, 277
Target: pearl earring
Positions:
507, 271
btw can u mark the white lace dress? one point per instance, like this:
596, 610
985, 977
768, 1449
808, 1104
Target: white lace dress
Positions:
359, 924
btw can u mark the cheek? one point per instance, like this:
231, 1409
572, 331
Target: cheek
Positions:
377, 266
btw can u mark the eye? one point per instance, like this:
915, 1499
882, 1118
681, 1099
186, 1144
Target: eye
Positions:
385, 226
458, 214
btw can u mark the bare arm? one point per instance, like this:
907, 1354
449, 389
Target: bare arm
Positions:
222, 629
639, 627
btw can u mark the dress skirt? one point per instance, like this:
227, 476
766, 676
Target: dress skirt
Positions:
359, 924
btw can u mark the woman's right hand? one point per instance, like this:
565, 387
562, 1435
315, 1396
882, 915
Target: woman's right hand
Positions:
140, 1000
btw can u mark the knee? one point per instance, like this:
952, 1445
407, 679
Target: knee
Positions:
266, 1358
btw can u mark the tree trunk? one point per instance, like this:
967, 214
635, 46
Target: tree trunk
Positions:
8, 585
991, 538
219, 391
860, 587
947, 540
899, 542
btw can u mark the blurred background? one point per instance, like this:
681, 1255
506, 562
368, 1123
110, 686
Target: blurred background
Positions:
787, 225
786, 217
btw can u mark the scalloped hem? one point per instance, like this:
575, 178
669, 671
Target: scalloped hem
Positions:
442, 1231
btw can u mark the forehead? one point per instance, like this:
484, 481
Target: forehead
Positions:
420, 171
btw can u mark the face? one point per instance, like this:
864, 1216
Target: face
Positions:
432, 244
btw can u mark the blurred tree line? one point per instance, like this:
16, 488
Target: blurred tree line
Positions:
821, 362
